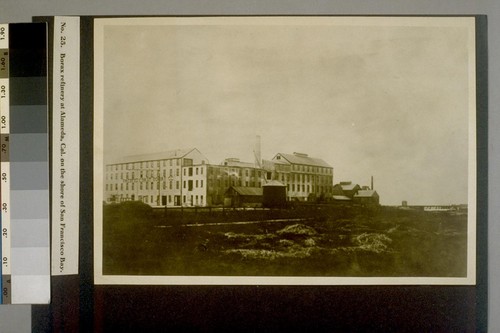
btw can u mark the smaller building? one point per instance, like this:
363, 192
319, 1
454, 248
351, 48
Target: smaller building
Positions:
367, 198
274, 194
238, 196
346, 188
340, 200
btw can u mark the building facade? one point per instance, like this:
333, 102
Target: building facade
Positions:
155, 179
185, 178
306, 178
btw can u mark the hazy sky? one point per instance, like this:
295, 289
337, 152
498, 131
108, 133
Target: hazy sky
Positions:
387, 101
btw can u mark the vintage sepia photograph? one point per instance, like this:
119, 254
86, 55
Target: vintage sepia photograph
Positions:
285, 150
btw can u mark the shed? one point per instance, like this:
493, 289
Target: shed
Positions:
244, 196
340, 200
350, 189
367, 197
274, 194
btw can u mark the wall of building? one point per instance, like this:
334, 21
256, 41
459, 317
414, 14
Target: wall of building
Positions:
189, 180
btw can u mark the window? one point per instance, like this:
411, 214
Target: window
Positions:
177, 185
190, 185
196, 170
133, 186
171, 171
201, 170
184, 184
201, 199
184, 199
126, 186
170, 197
170, 184
177, 172
190, 171
196, 198
201, 182
196, 183
106, 187
147, 186
293, 187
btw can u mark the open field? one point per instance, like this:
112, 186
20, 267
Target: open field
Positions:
305, 241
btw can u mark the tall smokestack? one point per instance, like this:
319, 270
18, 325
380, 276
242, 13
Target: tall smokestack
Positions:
256, 151
372, 184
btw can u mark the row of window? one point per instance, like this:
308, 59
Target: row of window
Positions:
307, 168
233, 182
142, 165
189, 171
193, 200
141, 174
142, 185
190, 184
150, 164
248, 172
307, 188
299, 178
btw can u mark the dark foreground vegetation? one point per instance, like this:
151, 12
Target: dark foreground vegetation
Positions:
305, 241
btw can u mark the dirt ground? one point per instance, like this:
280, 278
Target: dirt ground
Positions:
317, 241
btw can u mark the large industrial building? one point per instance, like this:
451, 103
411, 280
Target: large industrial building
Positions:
184, 177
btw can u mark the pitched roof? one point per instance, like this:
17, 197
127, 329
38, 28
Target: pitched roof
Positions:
304, 159
365, 193
349, 187
247, 190
177, 153
340, 198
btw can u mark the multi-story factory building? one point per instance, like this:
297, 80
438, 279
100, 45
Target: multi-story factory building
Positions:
232, 172
305, 177
155, 179
185, 178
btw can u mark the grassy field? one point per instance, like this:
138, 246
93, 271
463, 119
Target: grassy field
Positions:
305, 241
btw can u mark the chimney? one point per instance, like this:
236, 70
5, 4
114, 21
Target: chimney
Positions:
372, 184
256, 151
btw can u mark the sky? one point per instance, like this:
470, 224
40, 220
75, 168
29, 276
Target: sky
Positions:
383, 100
